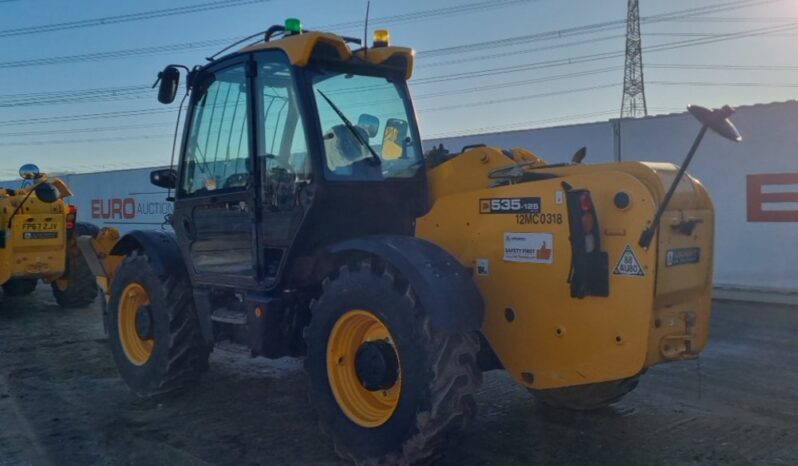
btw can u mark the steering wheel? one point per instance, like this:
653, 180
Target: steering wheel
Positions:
236, 180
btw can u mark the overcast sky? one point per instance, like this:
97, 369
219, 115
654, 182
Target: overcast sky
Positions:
97, 130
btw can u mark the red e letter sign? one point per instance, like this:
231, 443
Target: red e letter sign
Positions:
770, 189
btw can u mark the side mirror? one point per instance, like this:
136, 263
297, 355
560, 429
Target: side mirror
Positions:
717, 120
370, 123
169, 79
29, 171
164, 178
47, 193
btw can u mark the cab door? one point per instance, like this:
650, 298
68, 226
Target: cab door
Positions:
285, 168
216, 205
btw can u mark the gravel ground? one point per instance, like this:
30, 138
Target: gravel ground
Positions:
61, 402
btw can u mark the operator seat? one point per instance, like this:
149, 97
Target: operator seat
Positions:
343, 149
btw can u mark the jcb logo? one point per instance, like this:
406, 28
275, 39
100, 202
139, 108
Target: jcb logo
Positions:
113, 208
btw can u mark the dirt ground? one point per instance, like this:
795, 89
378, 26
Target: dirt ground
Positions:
61, 402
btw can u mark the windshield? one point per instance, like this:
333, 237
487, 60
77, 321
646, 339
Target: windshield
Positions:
368, 131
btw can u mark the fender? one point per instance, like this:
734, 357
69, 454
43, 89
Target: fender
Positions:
443, 286
160, 246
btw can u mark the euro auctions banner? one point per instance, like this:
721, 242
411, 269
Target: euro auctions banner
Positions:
123, 199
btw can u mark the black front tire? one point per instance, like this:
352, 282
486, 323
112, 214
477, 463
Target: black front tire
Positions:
20, 286
78, 287
179, 355
587, 397
439, 373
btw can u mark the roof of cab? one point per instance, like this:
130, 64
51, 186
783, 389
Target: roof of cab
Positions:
300, 47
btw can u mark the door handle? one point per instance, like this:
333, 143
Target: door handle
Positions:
188, 227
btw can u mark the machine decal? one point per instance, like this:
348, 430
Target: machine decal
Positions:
510, 205
628, 264
559, 196
529, 247
39, 235
682, 256
538, 219
483, 267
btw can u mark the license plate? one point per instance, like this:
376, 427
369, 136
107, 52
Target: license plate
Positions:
682, 256
40, 226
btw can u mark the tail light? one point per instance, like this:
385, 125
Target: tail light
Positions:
589, 266
71, 216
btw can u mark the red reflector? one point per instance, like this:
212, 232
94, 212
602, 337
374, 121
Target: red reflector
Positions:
72, 212
588, 223
585, 202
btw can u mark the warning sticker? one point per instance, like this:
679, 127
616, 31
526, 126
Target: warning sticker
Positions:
529, 247
682, 256
628, 264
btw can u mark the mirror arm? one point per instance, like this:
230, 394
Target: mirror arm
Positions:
648, 233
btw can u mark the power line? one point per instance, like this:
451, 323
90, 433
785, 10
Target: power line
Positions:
85, 116
723, 67
520, 126
204, 44
491, 87
135, 92
425, 14
592, 28
85, 130
81, 141
724, 84
80, 24
517, 98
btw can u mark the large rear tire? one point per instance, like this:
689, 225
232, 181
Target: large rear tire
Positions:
587, 397
153, 328
387, 387
20, 286
78, 287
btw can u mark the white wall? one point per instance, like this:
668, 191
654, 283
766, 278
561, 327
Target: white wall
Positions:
555, 145
748, 253
756, 254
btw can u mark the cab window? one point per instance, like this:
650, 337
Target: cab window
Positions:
218, 147
364, 118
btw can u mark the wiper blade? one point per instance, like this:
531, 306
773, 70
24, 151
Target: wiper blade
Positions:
376, 158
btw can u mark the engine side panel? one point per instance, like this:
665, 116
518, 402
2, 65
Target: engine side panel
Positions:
543, 336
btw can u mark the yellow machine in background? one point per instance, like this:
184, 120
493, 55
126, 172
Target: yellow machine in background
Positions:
38, 233
399, 276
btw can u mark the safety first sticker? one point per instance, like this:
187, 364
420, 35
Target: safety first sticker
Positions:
628, 264
529, 247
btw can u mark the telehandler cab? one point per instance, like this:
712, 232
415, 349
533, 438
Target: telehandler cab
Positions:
38, 241
307, 222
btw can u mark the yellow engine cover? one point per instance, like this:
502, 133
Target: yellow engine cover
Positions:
522, 261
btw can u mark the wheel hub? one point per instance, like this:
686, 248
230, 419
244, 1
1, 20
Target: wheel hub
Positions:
144, 324
376, 365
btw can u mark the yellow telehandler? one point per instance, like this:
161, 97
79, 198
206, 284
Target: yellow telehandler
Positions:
38, 241
308, 222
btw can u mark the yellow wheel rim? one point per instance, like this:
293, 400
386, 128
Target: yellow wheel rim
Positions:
137, 350
363, 407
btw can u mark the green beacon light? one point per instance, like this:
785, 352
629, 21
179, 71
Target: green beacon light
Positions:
293, 26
